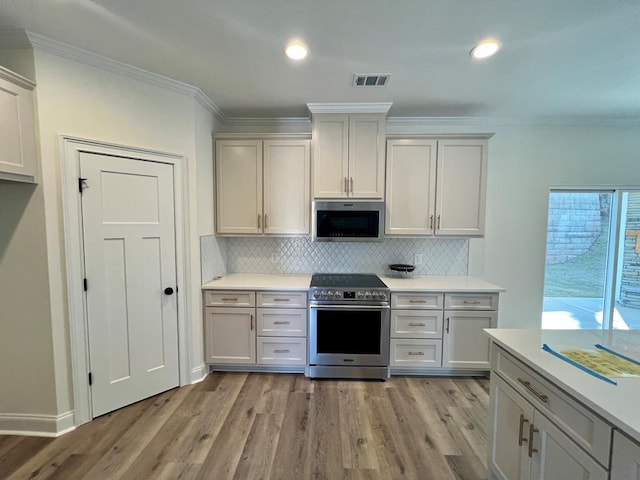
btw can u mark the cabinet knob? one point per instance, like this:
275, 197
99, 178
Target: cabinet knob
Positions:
168, 291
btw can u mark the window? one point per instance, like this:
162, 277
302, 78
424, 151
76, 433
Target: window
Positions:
592, 275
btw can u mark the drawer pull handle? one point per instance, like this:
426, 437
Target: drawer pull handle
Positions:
532, 430
251, 327
281, 299
417, 301
471, 302
280, 322
229, 299
281, 351
419, 354
521, 430
417, 325
541, 396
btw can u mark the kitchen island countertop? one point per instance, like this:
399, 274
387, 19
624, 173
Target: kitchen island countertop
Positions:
615, 403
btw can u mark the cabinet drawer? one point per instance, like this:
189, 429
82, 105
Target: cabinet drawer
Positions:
282, 299
417, 300
282, 322
416, 353
583, 426
239, 298
416, 324
471, 301
282, 351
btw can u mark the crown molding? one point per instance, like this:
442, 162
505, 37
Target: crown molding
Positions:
349, 107
60, 49
399, 122
15, 78
266, 121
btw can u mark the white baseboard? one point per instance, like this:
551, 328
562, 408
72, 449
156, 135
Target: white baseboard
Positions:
198, 373
36, 425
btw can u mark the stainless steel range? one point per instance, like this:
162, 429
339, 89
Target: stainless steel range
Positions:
348, 327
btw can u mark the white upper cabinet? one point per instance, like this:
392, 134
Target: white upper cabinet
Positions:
436, 186
239, 186
18, 151
348, 153
287, 169
461, 187
262, 187
411, 187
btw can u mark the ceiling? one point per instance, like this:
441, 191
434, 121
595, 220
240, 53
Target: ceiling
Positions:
560, 58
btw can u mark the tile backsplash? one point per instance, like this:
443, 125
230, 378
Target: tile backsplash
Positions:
213, 257
301, 255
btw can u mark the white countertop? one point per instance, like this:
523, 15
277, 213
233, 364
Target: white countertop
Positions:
440, 283
615, 403
259, 281
432, 283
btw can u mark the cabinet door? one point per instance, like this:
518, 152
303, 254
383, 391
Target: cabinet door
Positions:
239, 186
230, 335
464, 344
556, 456
366, 156
330, 156
287, 165
625, 458
411, 187
510, 416
17, 134
461, 187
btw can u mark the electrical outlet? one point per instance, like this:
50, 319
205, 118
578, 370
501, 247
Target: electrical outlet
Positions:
417, 259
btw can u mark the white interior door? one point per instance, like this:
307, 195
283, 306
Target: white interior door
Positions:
130, 263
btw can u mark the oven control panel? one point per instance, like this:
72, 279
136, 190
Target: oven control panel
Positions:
352, 295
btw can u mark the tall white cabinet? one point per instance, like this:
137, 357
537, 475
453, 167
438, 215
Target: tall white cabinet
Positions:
262, 186
18, 150
436, 186
348, 151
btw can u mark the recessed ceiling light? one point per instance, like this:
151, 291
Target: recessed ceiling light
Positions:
296, 50
485, 48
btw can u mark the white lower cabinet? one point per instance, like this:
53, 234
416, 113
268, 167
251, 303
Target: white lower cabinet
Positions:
464, 344
538, 432
625, 458
441, 331
273, 332
230, 335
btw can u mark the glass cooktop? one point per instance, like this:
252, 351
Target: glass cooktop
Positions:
346, 280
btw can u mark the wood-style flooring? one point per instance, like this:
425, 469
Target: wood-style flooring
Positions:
274, 426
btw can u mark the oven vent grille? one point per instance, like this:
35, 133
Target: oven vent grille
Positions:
371, 80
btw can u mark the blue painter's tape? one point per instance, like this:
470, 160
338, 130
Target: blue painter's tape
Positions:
546, 348
613, 352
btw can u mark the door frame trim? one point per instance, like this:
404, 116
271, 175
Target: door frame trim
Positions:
71, 148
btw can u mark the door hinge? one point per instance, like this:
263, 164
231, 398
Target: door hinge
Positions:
81, 185
85, 283
90, 379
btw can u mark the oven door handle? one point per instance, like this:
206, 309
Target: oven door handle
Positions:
350, 307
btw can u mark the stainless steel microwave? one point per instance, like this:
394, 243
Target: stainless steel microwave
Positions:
344, 221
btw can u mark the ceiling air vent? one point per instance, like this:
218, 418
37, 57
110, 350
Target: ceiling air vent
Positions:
371, 80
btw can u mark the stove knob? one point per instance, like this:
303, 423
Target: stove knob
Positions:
328, 293
359, 295
367, 295
337, 295
383, 297
316, 295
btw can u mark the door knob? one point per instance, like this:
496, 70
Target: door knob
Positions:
168, 291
